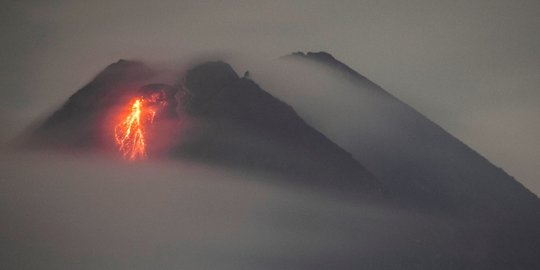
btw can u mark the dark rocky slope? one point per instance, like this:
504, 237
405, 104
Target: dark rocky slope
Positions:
431, 169
83, 121
213, 116
482, 218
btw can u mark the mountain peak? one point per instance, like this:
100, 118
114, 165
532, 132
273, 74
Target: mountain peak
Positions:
209, 77
321, 55
242, 125
326, 59
212, 116
123, 65
337, 67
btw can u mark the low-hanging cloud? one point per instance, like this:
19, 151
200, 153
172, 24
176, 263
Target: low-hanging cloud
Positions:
87, 212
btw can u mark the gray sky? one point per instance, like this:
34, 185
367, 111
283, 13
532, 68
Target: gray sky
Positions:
472, 66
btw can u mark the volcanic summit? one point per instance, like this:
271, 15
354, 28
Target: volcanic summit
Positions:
211, 115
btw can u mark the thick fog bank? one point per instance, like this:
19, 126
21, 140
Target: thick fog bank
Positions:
66, 212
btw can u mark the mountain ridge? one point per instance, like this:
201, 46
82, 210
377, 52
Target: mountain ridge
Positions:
328, 60
226, 120
215, 116
426, 165
233, 104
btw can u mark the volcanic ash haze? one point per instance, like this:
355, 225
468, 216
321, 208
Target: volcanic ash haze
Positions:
396, 191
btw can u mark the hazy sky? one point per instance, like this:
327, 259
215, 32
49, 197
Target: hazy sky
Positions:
471, 66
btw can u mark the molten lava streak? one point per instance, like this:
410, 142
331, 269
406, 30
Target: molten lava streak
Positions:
130, 133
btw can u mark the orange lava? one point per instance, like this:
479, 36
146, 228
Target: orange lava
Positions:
130, 133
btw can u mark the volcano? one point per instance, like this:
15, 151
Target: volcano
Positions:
429, 168
210, 115
213, 116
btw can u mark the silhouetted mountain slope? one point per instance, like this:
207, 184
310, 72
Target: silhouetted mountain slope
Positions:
81, 121
483, 218
242, 125
427, 166
213, 116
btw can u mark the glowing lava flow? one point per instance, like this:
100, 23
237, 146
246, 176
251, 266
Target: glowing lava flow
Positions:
130, 133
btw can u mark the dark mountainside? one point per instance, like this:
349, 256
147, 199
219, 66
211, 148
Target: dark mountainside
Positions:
427, 166
241, 125
213, 116
81, 122
483, 218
